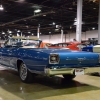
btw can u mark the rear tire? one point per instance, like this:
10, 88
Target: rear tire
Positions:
69, 76
25, 75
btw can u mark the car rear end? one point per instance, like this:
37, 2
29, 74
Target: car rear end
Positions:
73, 62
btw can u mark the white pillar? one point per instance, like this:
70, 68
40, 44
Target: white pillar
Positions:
21, 34
79, 20
99, 25
38, 31
62, 33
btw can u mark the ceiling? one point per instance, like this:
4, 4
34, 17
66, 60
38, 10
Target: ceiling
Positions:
18, 16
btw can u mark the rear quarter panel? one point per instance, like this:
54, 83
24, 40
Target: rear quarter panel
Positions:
34, 59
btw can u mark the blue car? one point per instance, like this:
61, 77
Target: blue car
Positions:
25, 56
88, 48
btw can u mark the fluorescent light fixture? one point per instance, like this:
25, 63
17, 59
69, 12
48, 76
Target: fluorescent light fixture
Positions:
1, 7
37, 10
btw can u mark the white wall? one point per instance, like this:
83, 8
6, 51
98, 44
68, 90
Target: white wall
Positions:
57, 38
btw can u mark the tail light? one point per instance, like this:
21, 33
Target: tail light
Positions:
54, 59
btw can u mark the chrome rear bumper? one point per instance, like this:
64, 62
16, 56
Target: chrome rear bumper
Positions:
62, 71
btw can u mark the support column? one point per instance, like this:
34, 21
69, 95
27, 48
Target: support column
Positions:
21, 34
99, 25
79, 20
62, 33
38, 31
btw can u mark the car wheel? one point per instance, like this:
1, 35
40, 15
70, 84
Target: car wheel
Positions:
25, 75
69, 77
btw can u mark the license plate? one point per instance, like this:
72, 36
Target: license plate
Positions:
79, 71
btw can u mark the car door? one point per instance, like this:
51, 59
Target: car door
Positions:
7, 52
5, 56
13, 57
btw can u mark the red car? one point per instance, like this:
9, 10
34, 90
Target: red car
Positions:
71, 45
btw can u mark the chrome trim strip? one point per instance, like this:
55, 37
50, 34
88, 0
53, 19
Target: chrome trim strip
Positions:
8, 67
36, 72
62, 71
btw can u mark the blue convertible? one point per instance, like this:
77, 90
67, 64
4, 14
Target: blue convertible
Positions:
25, 56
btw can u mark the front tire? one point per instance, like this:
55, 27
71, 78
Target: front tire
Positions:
25, 75
69, 76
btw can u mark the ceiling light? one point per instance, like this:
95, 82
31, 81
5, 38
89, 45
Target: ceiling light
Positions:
75, 19
56, 29
93, 28
9, 31
44, 15
29, 32
53, 23
94, 8
70, 8
27, 26
37, 10
18, 31
70, 27
21, 0
1, 7
3, 32
94, 0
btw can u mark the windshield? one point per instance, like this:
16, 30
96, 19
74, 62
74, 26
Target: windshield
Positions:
22, 43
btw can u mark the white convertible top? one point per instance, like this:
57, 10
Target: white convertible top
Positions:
21, 37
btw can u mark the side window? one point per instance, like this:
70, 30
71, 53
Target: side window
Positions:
65, 45
68, 44
12, 42
60, 45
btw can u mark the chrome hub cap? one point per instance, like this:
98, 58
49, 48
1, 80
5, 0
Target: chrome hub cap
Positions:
23, 72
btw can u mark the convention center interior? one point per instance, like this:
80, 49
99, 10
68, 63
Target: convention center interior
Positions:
49, 49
